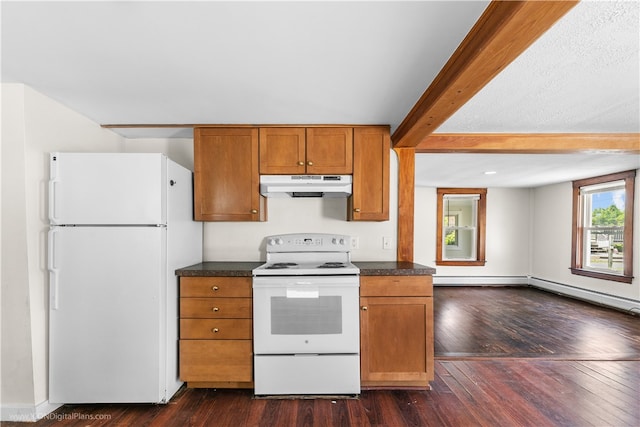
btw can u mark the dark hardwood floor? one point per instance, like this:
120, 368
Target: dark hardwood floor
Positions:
505, 356
527, 322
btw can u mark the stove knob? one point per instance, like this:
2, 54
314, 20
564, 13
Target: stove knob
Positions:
334, 241
279, 242
271, 242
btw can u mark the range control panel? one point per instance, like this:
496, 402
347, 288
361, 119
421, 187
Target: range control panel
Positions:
308, 242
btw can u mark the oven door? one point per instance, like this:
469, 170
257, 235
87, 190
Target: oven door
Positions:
306, 315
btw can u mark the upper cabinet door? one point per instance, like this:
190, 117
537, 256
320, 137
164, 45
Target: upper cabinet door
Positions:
370, 198
282, 151
226, 180
329, 151
298, 151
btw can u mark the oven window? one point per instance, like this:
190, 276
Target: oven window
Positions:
306, 316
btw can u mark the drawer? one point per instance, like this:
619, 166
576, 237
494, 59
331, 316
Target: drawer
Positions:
216, 360
215, 286
396, 286
217, 329
216, 308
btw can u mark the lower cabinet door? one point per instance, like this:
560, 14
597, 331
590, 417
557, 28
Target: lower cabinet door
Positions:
216, 361
396, 347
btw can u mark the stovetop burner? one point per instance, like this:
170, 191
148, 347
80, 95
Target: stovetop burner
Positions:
280, 265
333, 265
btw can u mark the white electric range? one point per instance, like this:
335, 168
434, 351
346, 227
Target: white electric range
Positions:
306, 317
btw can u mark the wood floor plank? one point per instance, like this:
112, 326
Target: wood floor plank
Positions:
507, 395
304, 416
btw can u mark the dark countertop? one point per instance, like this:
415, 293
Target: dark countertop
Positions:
220, 268
393, 268
243, 268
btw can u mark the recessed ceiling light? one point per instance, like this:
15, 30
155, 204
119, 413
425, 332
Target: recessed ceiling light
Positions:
490, 172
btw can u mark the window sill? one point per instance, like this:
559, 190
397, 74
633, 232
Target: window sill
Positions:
600, 275
461, 263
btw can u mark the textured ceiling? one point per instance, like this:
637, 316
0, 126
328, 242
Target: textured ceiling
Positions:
305, 62
583, 75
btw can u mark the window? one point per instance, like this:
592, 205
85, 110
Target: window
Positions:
602, 230
460, 235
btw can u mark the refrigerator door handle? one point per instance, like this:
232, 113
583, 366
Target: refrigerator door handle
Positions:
53, 270
52, 200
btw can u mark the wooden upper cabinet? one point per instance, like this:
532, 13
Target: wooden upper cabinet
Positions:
370, 198
282, 151
226, 179
315, 151
330, 151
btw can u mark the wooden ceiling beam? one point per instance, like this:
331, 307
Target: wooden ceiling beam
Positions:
535, 143
501, 34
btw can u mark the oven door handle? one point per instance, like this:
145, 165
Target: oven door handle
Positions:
303, 293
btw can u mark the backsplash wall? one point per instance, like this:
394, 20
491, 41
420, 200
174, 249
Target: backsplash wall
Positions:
244, 241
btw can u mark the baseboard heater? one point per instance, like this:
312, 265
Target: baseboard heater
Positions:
624, 304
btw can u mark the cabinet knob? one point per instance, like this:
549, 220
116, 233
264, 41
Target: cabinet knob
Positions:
216, 309
356, 210
309, 163
215, 288
254, 211
365, 308
301, 163
215, 330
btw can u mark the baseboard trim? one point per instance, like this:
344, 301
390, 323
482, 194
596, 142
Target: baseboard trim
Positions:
620, 303
27, 413
480, 280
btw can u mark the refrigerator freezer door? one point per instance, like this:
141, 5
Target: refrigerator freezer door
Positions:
107, 314
107, 188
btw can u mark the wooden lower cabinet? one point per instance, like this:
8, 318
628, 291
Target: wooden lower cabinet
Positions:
216, 347
396, 331
225, 362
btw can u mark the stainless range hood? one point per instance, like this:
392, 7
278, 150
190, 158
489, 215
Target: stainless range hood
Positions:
305, 185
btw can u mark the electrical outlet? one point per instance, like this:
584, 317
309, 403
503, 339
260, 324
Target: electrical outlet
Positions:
386, 242
355, 242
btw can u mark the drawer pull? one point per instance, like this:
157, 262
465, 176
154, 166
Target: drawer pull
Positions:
357, 210
215, 288
215, 330
216, 309
365, 308
300, 163
254, 211
309, 163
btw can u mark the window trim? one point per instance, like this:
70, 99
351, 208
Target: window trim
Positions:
577, 237
481, 226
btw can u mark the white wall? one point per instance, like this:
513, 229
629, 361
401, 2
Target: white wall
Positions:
507, 243
551, 243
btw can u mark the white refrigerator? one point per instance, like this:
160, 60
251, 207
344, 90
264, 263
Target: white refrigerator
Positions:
121, 224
